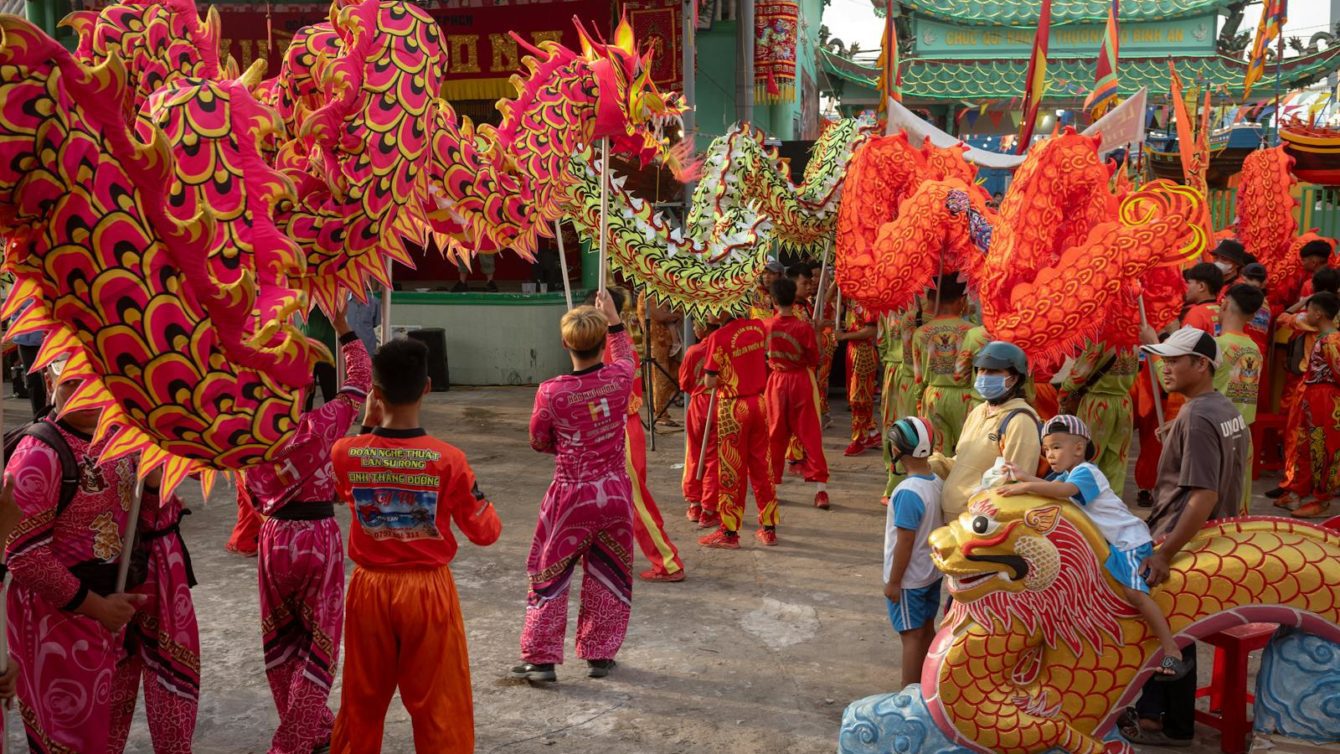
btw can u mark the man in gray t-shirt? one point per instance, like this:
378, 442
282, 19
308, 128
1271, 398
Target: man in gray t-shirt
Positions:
1200, 479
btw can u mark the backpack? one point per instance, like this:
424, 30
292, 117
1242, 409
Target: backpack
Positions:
47, 433
1043, 468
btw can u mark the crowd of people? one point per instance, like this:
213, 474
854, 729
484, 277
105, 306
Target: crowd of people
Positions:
953, 406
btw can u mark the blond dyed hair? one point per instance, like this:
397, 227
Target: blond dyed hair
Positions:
584, 330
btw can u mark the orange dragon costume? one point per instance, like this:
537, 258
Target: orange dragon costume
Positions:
1040, 653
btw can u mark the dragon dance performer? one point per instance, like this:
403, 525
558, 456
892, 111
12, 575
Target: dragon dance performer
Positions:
737, 369
692, 377
245, 539
803, 276
944, 377
791, 399
404, 618
665, 344
898, 399
1238, 378
823, 313
1314, 453
301, 569
859, 330
163, 641
648, 525
586, 514
66, 619
761, 304
1098, 391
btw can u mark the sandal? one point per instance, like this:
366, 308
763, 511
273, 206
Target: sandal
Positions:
1132, 731
1171, 669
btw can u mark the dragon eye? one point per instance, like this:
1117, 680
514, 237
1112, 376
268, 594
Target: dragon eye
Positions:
983, 525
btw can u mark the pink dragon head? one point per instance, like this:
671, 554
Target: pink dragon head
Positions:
629, 109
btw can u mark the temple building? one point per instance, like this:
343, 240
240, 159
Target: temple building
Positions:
973, 54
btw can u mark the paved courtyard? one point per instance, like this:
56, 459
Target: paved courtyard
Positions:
758, 651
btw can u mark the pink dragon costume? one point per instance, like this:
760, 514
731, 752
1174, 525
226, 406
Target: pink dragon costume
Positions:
586, 514
301, 565
71, 667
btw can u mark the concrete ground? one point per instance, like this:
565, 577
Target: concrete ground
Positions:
759, 650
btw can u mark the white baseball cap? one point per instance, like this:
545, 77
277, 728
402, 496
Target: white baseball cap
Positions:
1188, 341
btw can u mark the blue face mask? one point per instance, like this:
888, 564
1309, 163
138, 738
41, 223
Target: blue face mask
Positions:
991, 386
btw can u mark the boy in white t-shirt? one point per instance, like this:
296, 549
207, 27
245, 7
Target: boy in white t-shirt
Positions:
1069, 450
911, 581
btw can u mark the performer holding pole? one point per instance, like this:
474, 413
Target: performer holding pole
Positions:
697, 420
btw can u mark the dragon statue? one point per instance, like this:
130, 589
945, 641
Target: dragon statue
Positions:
1039, 651
1063, 261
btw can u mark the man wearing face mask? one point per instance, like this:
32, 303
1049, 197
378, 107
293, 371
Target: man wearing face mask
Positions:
1005, 426
1230, 257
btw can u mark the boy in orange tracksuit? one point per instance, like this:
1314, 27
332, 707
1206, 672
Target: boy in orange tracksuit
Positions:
403, 624
692, 380
792, 397
737, 369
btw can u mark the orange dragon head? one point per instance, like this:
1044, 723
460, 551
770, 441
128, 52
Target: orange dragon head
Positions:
1030, 561
629, 110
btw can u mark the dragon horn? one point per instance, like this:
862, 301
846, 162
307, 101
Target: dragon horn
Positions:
213, 24
588, 47
81, 22
251, 78
623, 35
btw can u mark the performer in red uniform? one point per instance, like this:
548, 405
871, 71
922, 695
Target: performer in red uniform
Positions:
792, 393
859, 332
692, 381
737, 369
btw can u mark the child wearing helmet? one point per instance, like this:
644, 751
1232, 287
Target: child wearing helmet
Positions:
911, 581
1070, 451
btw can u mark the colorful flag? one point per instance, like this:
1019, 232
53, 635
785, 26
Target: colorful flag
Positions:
1035, 81
1273, 15
1104, 94
890, 78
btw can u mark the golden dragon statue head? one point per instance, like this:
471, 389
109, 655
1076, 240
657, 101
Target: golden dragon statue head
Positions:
1033, 561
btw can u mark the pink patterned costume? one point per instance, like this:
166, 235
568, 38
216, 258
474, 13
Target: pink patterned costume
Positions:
69, 663
162, 642
586, 514
301, 566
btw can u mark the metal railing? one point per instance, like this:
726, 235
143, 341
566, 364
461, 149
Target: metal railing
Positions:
1318, 207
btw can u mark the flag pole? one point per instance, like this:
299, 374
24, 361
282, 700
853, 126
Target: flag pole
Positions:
1279, 65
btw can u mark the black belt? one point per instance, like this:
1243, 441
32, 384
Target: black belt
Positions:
98, 577
296, 511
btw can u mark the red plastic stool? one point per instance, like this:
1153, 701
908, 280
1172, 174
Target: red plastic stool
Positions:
1265, 424
1228, 694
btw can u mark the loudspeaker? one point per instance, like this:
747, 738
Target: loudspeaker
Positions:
436, 340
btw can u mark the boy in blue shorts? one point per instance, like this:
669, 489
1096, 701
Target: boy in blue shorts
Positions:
1069, 449
911, 581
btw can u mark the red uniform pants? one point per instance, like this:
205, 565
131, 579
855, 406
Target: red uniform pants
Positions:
695, 433
793, 409
648, 526
742, 451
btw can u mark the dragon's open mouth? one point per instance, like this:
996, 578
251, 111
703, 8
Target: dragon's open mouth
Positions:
1014, 562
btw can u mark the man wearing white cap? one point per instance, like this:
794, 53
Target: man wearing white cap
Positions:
1199, 479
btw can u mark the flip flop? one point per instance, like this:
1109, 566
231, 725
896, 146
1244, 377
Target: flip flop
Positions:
1176, 668
1131, 730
